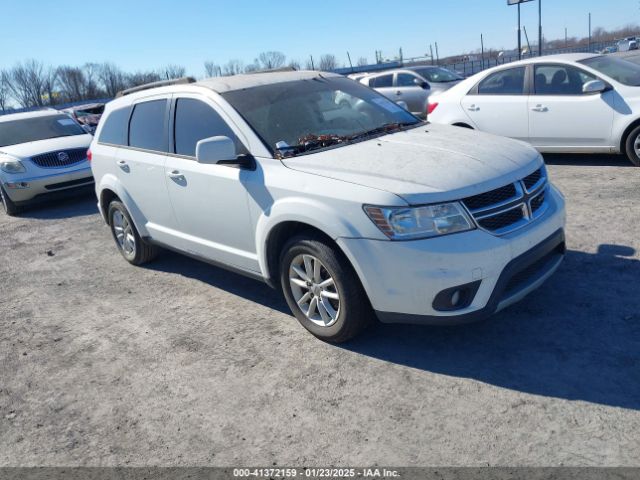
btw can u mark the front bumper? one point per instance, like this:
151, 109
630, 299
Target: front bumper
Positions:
36, 189
402, 279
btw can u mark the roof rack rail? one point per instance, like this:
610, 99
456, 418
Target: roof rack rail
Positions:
161, 83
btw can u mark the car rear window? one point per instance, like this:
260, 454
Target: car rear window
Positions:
147, 128
114, 130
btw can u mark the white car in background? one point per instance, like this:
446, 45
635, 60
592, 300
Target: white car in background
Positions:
570, 103
43, 155
402, 86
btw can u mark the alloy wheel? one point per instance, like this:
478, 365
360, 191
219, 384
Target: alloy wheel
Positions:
314, 290
124, 233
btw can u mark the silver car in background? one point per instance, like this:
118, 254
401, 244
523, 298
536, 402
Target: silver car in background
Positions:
440, 78
404, 87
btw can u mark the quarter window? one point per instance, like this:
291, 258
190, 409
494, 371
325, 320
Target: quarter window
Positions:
560, 80
194, 121
114, 130
504, 82
147, 126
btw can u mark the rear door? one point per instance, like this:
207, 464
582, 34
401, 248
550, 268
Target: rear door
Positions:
210, 201
384, 85
140, 164
561, 116
410, 91
498, 104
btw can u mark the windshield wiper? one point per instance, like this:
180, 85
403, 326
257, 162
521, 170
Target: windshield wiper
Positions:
387, 127
309, 142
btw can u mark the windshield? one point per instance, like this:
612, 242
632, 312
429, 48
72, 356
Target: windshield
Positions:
620, 70
438, 74
25, 130
303, 115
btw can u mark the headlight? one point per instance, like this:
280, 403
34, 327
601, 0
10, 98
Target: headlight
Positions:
408, 223
11, 165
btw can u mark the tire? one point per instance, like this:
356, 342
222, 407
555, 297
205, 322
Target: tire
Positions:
10, 208
134, 250
345, 298
632, 139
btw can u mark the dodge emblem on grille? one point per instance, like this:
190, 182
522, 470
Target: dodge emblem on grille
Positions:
63, 157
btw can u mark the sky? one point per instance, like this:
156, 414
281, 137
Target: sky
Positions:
147, 34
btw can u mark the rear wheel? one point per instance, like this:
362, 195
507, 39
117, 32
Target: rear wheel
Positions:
10, 208
322, 289
135, 250
633, 146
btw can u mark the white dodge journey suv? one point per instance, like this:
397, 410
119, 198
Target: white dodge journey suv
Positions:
355, 210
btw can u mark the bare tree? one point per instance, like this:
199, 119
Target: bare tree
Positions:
26, 83
362, 61
170, 72
309, 65
328, 62
4, 90
271, 60
252, 67
112, 79
140, 78
233, 67
50, 81
295, 64
212, 69
92, 88
72, 83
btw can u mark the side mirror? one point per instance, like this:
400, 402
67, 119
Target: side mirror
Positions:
215, 149
594, 86
422, 84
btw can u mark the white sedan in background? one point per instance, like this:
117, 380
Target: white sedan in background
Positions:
571, 103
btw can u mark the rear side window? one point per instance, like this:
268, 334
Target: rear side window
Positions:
194, 121
504, 82
114, 130
381, 81
560, 80
147, 126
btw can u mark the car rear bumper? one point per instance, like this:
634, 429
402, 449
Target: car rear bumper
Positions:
26, 191
403, 279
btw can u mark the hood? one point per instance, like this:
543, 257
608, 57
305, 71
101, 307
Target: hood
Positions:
26, 150
430, 163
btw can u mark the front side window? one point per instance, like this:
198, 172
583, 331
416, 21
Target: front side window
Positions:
560, 80
620, 70
114, 130
504, 82
194, 121
382, 81
407, 80
147, 126
299, 116
14, 132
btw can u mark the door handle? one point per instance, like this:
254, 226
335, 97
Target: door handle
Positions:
398, 93
540, 108
473, 108
123, 165
175, 174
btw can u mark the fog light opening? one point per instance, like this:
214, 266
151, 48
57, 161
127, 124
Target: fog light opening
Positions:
17, 185
456, 298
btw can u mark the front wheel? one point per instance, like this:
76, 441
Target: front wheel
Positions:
633, 146
322, 289
134, 250
10, 208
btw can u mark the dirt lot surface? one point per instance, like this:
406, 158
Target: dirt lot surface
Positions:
180, 363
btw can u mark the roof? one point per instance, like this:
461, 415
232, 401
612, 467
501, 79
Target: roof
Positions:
249, 80
36, 113
560, 57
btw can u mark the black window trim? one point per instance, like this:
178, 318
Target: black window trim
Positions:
563, 65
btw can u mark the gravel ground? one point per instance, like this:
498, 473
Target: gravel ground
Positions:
180, 363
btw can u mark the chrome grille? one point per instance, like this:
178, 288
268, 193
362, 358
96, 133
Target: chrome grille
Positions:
511, 206
60, 158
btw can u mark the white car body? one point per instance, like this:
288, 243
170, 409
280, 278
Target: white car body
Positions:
51, 167
229, 216
595, 122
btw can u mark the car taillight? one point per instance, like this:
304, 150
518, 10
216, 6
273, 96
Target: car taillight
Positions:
431, 107
89, 155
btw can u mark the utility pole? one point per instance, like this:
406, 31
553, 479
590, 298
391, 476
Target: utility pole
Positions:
437, 55
519, 36
431, 49
566, 38
539, 28
589, 31
350, 64
526, 35
312, 66
482, 49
